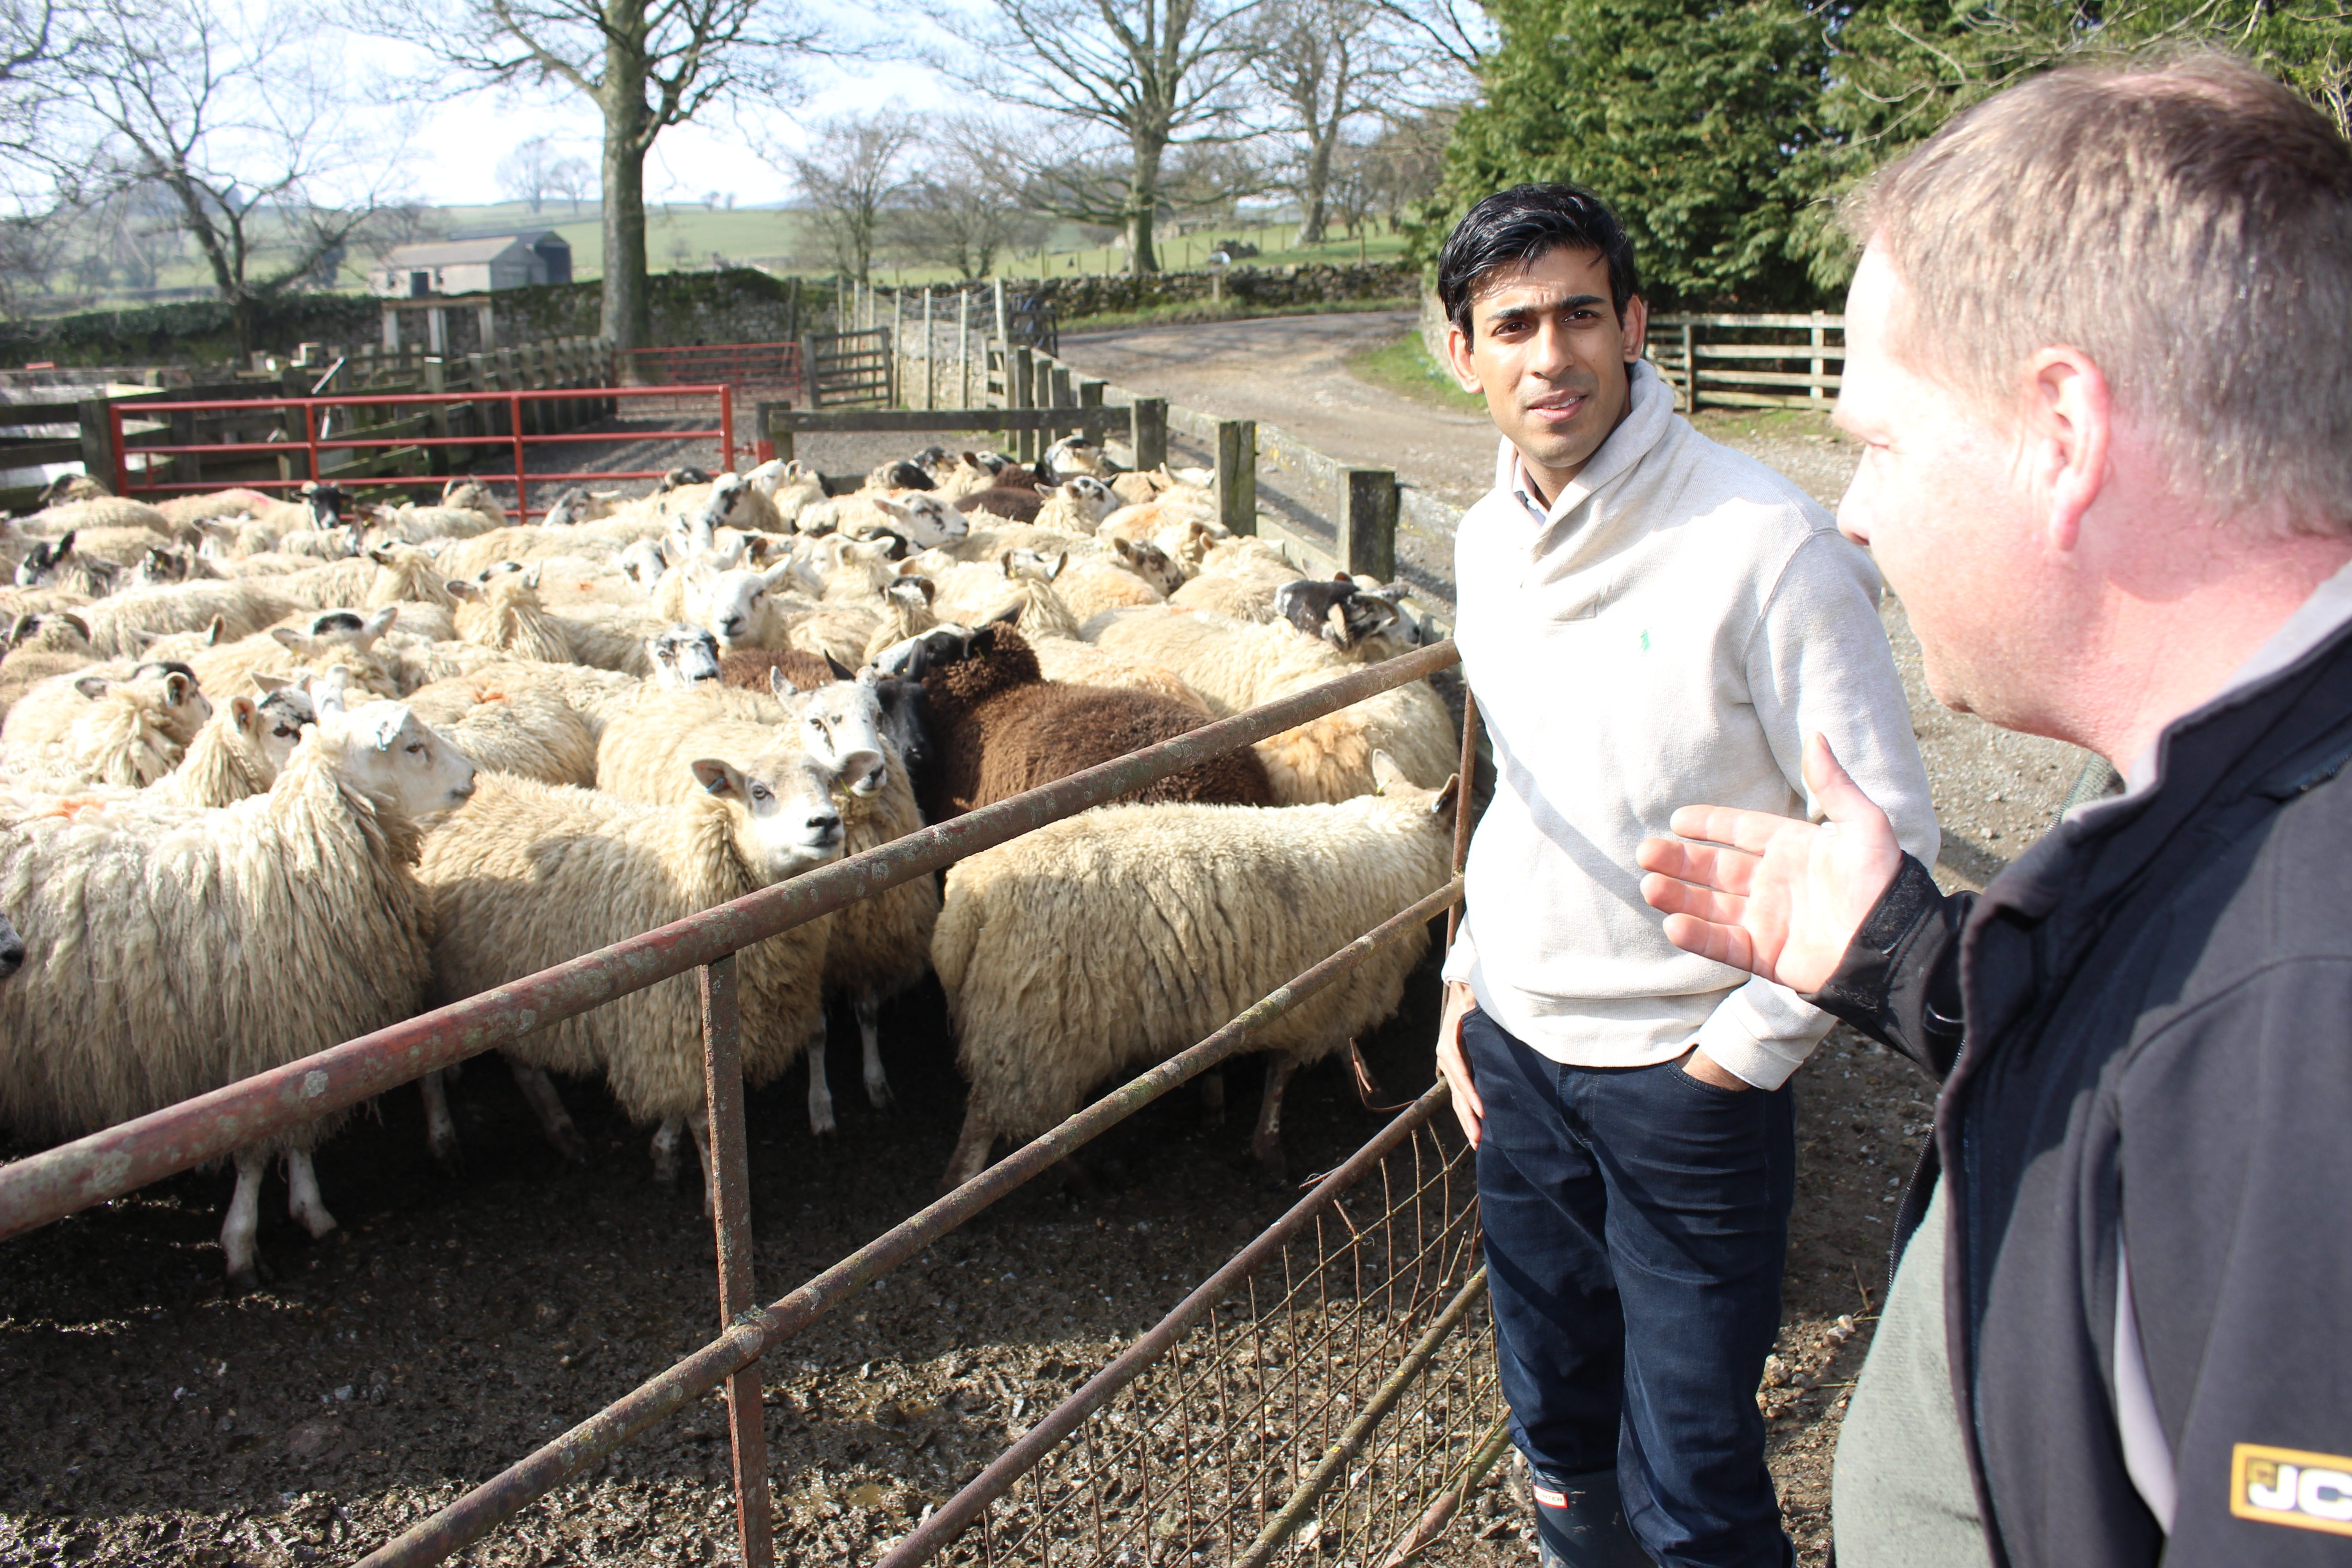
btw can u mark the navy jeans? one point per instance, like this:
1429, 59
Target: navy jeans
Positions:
1636, 1220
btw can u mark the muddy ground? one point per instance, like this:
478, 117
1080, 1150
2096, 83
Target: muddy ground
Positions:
450, 1326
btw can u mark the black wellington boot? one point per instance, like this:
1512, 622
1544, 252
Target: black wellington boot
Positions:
1580, 1523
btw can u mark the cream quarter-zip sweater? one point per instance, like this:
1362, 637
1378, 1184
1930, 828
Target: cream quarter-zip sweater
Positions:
1667, 634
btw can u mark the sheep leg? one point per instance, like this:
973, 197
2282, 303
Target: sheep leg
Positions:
666, 1138
1213, 1096
538, 1091
1266, 1146
972, 1148
867, 1005
440, 1127
239, 1230
820, 1093
701, 1122
303, 1200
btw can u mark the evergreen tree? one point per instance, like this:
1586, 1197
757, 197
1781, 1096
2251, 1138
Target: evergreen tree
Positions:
1689, 117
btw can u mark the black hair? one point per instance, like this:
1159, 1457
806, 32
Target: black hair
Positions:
1513, 228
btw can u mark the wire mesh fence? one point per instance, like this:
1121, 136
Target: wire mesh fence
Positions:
1332, 1408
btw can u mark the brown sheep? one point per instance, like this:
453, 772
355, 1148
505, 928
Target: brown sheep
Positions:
1013, 504
999, 727
749, 668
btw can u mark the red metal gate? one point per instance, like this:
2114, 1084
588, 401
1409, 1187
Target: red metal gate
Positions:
425, 428
771, 369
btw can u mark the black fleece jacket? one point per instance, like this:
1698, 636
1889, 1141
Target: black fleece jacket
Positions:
2144, 1028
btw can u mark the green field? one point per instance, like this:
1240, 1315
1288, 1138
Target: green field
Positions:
685, 236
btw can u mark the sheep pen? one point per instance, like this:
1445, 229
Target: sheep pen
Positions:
449, 1327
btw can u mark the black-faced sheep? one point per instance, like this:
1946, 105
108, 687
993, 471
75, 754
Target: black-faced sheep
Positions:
1199, 911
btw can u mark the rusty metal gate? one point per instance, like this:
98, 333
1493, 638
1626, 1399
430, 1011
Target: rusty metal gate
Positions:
1329, 1390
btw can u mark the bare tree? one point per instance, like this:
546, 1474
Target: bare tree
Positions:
234, 118
646, 65
1128, 79
527, 173
572, 179
1329, 64
851, 173
963, 206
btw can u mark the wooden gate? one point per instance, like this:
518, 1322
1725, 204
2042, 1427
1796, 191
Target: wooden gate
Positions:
847, 368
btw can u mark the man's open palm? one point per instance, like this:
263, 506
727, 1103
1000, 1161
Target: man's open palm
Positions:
1773, 895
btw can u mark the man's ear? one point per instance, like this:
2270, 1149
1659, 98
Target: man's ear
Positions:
1458, 355
1635, 324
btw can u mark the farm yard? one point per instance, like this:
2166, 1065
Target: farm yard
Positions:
461, 1314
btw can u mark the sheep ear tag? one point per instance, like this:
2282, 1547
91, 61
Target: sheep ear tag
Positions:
1445, 796
384, 729
717, 777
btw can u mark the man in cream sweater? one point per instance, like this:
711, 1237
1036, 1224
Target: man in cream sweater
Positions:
1647, 618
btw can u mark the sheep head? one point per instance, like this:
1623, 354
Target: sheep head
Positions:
783, 803
683, 655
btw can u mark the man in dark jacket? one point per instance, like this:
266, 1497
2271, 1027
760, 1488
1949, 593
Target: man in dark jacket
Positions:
2096, 361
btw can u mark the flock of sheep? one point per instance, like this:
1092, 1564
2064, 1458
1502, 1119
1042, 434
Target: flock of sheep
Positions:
273, 776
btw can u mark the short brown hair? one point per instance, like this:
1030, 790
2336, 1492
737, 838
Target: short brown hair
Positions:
2188, 224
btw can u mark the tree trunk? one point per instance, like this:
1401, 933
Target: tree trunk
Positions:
628, 136
1142, 203
626, 320
1314, 198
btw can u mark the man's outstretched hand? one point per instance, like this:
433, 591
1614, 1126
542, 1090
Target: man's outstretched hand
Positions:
1772, 895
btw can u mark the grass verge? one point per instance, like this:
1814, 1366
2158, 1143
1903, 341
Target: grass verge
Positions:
1405, 368
1190, 311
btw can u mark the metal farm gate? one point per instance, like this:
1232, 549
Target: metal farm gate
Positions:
1329, 1394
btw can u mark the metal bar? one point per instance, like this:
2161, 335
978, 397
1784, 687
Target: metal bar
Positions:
143, 407
1359, 1431
1466, 786
57, 1182
730, 1221
727, 427
926, 1540
807, 420
1440, 1513
505, 1494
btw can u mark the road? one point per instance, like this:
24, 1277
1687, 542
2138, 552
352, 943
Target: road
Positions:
1291, 371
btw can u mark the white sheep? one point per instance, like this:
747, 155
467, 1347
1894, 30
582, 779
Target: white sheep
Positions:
176, 949
879, 944
112, 724
1113, 940
531, 874
1234, 665
510, 727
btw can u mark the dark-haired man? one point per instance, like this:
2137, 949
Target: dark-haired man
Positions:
1646, 618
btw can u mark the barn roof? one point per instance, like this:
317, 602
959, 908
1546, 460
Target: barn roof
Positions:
451, 252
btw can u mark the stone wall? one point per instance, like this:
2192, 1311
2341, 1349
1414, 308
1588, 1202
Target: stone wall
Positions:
1273, 287
739, 305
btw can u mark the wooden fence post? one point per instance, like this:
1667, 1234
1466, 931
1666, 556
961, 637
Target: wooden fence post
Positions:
1368, 520
1237, 475
436, 380
1147, 431
809, 383
1019, 388
1690, 368
963, 347
930, 383
1821, 337
97, 442
779, 437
